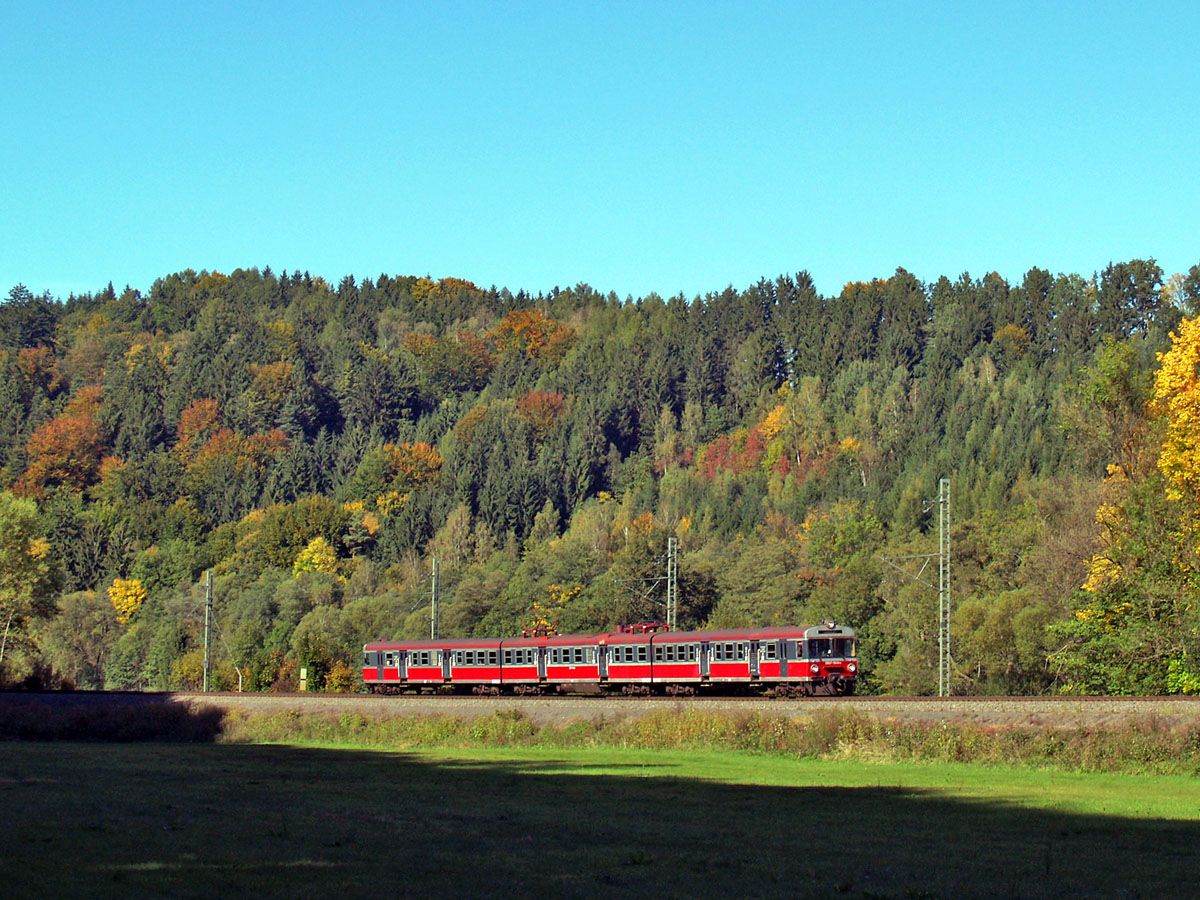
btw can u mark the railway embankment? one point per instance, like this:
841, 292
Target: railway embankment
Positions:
1157, 735
1051, 713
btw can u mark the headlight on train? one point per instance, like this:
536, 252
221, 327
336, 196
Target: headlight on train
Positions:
814, 668
851, 667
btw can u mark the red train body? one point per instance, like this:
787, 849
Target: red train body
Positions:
636, 660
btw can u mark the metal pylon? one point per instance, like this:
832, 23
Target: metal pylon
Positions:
944, 587
434, 603
672, 583
945, 659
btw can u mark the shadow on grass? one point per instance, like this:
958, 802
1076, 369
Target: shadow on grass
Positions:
98, 716
204, 819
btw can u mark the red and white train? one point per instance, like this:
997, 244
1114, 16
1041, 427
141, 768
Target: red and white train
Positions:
639, 659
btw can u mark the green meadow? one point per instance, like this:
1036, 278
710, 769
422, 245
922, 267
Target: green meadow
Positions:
314, 820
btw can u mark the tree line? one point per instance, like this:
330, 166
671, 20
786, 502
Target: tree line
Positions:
317, 446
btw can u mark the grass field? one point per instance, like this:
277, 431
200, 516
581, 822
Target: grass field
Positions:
311, 821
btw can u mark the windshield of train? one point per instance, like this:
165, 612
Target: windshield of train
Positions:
830, 648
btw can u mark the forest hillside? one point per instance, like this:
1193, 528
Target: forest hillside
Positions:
318, 446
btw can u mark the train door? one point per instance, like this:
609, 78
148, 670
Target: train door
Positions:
704, 660
402, 664
541, 662
445, 656
602, 660
753, 649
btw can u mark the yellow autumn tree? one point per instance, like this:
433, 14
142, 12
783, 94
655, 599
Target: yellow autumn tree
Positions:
127, 597
318, 556
1176, 400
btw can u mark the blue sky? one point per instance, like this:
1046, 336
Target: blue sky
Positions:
638, 147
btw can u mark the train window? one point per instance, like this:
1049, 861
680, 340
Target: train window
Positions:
642, 653
729, 652
825, 647
769, 650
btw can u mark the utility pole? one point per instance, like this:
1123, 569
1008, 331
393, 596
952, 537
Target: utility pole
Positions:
672, 583
943, 583
208, 602
944, 587
433, 604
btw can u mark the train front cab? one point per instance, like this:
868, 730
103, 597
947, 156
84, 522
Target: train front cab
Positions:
828, 653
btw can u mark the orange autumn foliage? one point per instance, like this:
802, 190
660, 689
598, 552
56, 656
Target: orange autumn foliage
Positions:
532, 332
197, 423
66, 450
39, 367
541, 409
413, 464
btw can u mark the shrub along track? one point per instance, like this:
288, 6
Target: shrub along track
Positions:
1068, 713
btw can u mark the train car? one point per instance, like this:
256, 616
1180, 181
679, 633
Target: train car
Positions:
573, 659
627, 660
523, 664
646, 658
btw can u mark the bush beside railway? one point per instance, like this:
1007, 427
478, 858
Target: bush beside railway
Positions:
1145, 745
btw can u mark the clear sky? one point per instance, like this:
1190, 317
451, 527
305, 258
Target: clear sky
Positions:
638, 147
